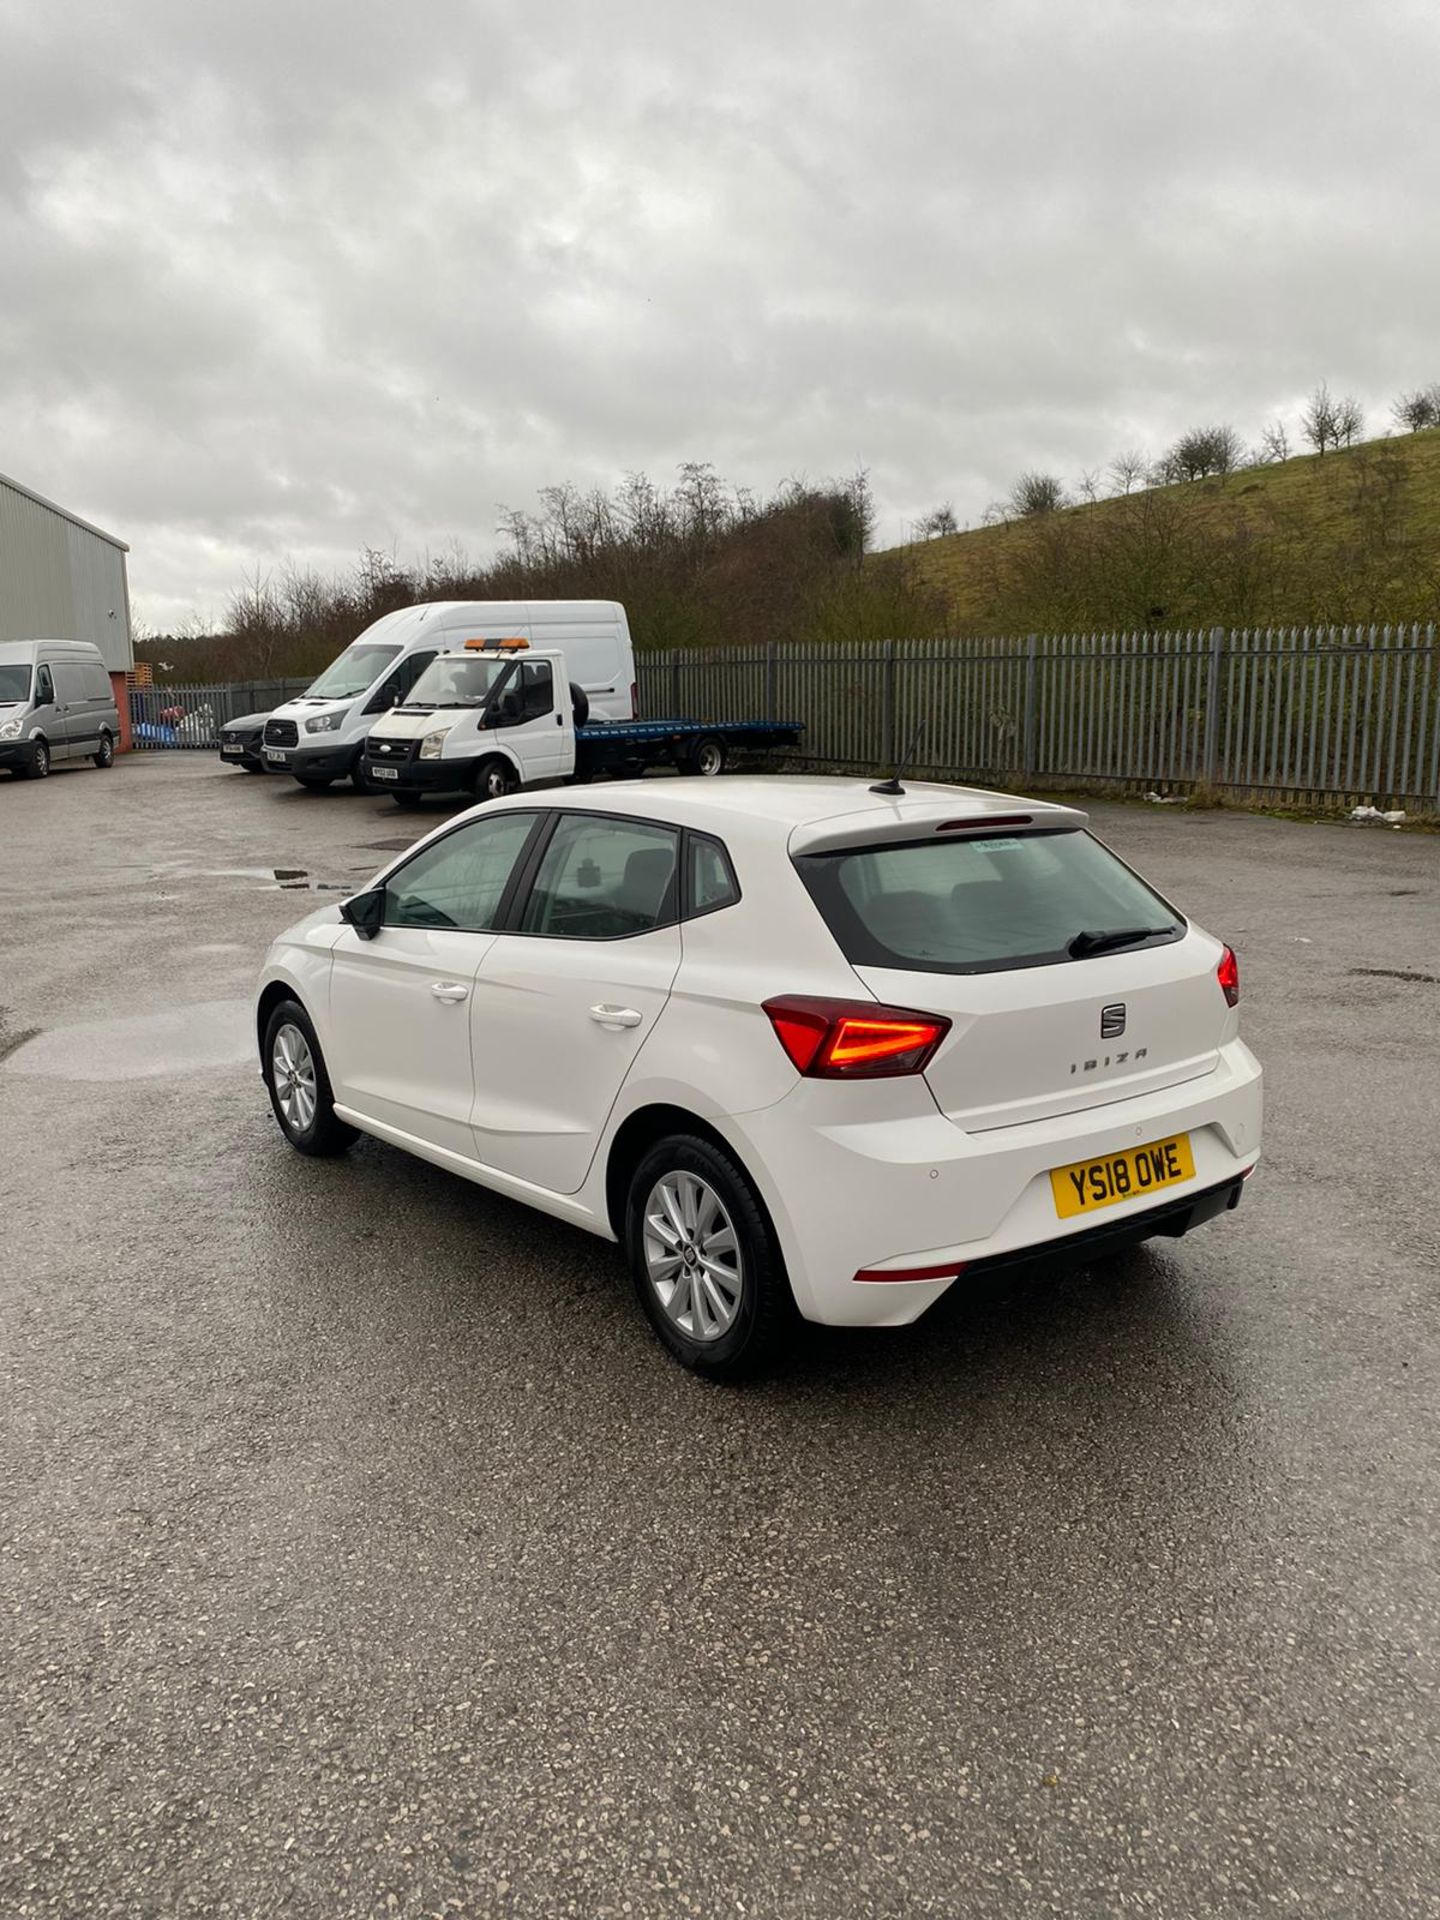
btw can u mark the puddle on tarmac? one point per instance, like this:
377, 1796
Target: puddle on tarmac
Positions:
147, 1046
262, 879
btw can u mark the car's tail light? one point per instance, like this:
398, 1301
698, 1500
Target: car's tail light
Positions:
854, 1040
1228, 974
634, 699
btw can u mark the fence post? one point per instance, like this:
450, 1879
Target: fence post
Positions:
1212, 707
770, 674
674, 713
1027, 731
887, 707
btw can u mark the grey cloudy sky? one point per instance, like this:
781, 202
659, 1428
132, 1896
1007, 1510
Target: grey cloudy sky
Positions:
288, 279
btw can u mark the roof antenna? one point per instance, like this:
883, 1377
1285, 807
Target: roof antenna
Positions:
892, 785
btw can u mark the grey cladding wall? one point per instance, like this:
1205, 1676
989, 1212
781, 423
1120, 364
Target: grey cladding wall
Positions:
60, 578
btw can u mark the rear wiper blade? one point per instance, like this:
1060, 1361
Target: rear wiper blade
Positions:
1103, 942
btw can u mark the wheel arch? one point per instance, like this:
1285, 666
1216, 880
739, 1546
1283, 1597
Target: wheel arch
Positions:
635, 1136
496, 753
271, 994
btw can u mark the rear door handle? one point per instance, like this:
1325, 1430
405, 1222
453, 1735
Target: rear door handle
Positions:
449, 990
616, 1016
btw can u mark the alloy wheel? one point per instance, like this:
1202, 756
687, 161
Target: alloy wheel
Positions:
692, 1256
292, 1066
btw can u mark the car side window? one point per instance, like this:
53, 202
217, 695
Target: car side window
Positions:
44, 688
604, 880
537, 690
712, 878
459, 881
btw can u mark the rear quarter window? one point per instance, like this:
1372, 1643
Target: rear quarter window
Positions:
981, 904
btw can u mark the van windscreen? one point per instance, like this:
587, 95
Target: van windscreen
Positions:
984, 902
14, 683
458, 680
357, 669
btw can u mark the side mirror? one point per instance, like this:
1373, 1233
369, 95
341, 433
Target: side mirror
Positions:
365, 912
383, 698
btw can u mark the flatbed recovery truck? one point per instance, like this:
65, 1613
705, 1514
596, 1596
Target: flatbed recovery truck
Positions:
495, 716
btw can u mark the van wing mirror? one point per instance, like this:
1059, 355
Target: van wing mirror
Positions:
365, 912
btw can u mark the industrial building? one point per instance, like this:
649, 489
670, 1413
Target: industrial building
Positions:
62, 579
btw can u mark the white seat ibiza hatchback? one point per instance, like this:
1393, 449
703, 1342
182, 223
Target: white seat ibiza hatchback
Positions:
804, 1047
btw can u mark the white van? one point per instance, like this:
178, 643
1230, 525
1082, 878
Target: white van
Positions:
319, 736
56, 704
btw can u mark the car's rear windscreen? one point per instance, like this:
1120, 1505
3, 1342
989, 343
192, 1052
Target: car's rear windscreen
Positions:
977, 903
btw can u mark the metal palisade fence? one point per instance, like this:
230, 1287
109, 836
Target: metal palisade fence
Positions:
171, 714
1280, 714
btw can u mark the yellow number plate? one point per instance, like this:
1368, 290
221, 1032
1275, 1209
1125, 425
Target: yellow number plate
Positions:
1092, 1184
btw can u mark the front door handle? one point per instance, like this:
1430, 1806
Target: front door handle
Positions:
616, 1016
449, 990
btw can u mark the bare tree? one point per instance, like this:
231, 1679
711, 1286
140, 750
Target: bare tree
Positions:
1088, 485
1349, 420
1128, 469
934, 525
1203, 451
1035, 493
1320, 422
1415, 411
1274, 443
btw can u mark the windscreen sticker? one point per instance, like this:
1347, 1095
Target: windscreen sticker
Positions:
994, 846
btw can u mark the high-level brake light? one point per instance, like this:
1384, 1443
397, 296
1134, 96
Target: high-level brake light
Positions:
854, 1040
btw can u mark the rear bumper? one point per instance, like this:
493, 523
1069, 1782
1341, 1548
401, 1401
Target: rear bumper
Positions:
1100, 1242
915, 1195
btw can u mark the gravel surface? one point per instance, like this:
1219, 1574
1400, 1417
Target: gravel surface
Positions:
363, 1555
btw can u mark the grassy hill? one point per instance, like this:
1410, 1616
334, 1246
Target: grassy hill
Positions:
1353, 536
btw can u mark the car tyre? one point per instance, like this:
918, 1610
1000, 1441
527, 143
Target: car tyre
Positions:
299, 1086
105, 758
706, 757
494, 778
39, 762
705, 1262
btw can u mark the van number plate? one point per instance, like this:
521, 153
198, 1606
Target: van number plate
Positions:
385, 773
1090, 1185
276, 753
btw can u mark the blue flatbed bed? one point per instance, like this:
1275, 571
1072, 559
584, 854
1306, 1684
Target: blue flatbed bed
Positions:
698, 746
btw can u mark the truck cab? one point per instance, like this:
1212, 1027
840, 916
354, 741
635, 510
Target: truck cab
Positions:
491, 716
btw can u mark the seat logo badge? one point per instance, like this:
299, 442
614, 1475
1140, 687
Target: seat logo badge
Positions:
1112, 1021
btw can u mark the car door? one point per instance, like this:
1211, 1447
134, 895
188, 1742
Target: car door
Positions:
564, 1002
49, 715
528, 721
399, 1043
